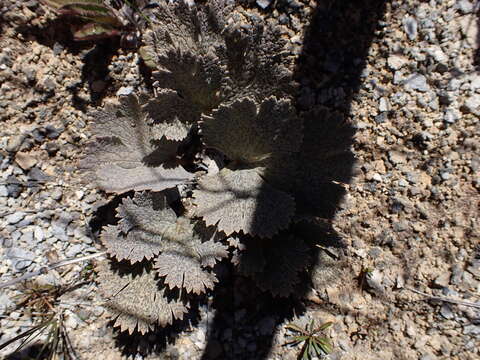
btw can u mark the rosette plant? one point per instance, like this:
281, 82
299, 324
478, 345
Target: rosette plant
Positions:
207, 165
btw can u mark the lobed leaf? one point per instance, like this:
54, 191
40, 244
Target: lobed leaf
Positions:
135, 300
240, 200
185, 257
140, 231
182, 51
124, 157
252, 136
266, 137
170, 115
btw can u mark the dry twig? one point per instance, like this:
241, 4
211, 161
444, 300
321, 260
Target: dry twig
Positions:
444, 299
46, 269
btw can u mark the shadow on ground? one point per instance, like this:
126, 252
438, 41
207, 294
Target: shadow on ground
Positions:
329, 72
96, 55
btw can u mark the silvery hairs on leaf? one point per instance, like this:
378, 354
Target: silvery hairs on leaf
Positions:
135, 299
260, 59
139, 233
124, 157
182, 51
240, 200
170, 115
266, 136
186, 257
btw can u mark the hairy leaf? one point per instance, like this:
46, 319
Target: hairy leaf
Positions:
124, 156
266, 137
260, 62
185, 256
139, 233
171, 116
183, 54
135, 299
241, 201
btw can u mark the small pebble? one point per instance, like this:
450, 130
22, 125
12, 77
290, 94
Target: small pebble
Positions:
410, 26
15, 217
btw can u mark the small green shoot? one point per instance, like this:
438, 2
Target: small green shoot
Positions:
313, 344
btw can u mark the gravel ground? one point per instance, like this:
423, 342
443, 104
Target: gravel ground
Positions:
401, 78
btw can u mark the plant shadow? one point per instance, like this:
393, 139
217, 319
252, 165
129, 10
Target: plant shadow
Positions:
329, 73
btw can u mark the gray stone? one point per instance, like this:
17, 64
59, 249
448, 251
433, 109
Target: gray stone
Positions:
14, 190
472, 105
52, 132
125, 91
451, 116
397, 157
56, 194
28, 220
49, 83
50, 278
27, 237
464, 6
264, 3
437, 54
16, 235
72, 321
445, 175
74, 250
475, 83
446, 311
410, 27
396, 62
59, 232
39, 234
37, 174
3, 191
7, 242
374, 281
5, 303
417, 82
400, 226
21, 258
14, 142
15, 217
384, 104
471, 329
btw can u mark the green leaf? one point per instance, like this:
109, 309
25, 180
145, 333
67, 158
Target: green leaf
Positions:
296, 328
324, 326
305, 352
324, 344
317, 348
